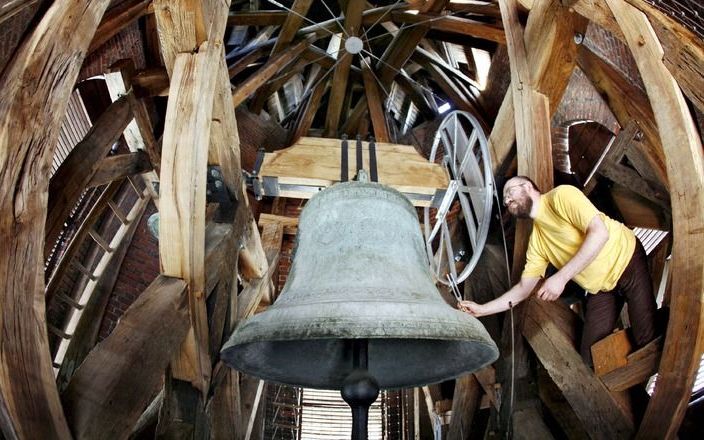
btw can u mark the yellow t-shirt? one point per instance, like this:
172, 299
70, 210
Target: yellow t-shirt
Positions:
559, 230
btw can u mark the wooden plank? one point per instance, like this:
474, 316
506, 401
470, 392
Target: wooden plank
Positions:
338, 88
454, 24
375, 103
272, 67
637, 369
116, 19
611, 352
590, 399
72, 177
103, 401
120, 166
316, 161
290, 224
36, 86
685, 164
465, 402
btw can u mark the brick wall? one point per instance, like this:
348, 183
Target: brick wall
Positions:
13, 30
126, 44
139, 269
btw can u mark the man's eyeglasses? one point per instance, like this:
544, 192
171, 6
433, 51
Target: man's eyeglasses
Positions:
512, 190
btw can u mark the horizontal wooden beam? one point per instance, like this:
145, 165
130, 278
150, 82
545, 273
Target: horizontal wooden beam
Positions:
120, 166
107, 402
457, 25
257, 18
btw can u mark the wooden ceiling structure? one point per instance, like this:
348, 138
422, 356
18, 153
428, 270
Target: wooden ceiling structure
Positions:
170, 329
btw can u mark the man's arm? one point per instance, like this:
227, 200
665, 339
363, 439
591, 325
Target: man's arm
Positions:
512, 297
596, 237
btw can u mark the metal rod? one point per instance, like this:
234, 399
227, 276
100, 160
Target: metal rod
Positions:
373, 176
344, 177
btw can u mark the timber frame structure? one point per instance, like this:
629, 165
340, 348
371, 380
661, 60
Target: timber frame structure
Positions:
169, 339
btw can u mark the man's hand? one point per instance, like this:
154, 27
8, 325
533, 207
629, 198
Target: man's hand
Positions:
472, 308
551, 289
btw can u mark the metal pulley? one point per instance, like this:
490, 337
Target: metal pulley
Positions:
360, 273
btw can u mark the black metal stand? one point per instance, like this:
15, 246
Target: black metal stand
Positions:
359, 390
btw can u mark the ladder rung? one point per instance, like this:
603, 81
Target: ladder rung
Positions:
70, 301
81, 268
118, 212
100, 240
59, 333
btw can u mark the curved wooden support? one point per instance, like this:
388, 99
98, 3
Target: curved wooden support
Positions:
685, 166
36, 88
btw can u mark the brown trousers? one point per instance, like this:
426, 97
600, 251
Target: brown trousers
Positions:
603, 309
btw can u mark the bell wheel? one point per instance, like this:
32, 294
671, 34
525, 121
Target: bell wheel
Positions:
461, 146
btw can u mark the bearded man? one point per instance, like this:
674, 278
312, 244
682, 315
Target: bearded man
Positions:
600, 254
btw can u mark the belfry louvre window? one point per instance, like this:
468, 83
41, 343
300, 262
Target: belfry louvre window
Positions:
307, 414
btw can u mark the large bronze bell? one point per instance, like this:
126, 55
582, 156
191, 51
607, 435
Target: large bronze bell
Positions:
360, 272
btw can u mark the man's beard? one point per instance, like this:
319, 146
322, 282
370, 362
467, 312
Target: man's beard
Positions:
522, 209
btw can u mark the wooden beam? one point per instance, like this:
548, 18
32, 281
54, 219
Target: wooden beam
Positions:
683, 52
454, 24
550, 47
590, 399
116, 19
270, 87
257, 18
684, 158
305, 117
611, 167
244, 62
465, 402
638, 368
103, 401
120, 166
460, 100
36, 86
139, 133
182, 27
272, 67
628, 103
288, 30
488, 9
182, 220
375, 103
151, 82
338, 88
76, 171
